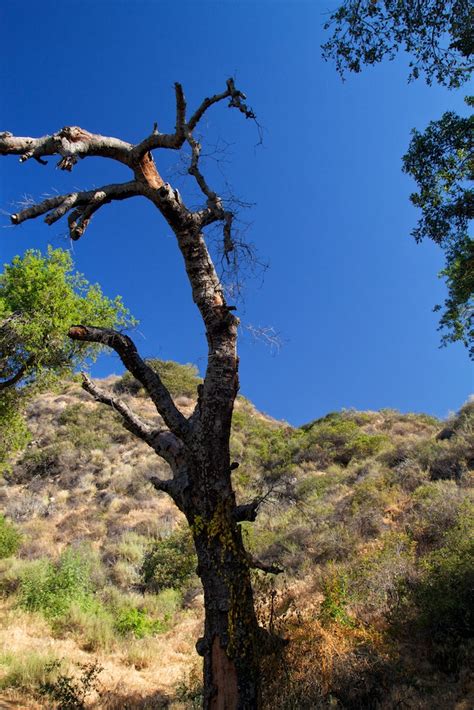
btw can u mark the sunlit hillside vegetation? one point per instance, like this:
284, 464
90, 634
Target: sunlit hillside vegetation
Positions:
370, 514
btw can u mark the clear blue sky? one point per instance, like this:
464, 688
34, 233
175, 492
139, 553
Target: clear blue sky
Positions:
348, 288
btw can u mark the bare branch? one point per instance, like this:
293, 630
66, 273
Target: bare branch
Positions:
214, 211
236, 101
194, 170
248, 511
127, 351
85, 204
162, 441
164, 485
132, 422
174, 141
180, 110
207, 103
38, 209
71, 142
266, 334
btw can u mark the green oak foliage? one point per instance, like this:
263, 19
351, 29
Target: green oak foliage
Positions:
40, 297
437, 34
441, 161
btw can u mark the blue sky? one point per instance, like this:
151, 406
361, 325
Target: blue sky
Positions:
347, 287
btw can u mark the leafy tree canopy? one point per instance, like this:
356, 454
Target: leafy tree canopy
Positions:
40, 298
437, 34
441, 160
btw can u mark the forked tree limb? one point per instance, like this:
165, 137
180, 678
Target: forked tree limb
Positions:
72, 143
151, 381
84, 205
175, 141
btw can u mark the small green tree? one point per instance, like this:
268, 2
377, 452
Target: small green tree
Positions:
40, 296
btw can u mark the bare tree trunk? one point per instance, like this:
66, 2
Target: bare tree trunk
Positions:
196, 448
230, 642
229, 645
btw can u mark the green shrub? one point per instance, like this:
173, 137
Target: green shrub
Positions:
408, 474
11, 571
316, 485
445, 595
179, 379
170, 562
10, 538
135, 622
51, 587
124, 558
333, 435
163, 605
333, 541
131, 547
340, 438
124, 575
334, 605
260, 536
462, 423
260, 443
364, 445
189, 690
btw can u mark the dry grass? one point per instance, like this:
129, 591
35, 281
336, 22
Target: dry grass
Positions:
151, 666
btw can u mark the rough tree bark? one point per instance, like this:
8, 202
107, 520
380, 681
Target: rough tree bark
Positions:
196, 448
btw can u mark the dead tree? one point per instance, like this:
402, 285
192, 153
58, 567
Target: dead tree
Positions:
196, 447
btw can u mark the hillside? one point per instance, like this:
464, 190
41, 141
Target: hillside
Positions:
370, 514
